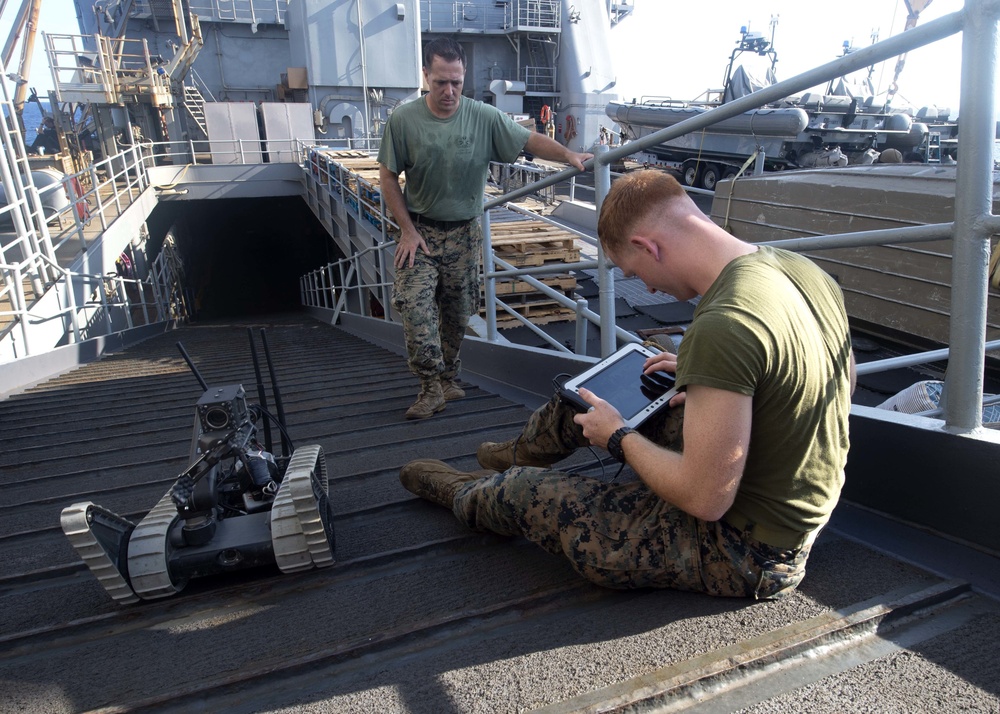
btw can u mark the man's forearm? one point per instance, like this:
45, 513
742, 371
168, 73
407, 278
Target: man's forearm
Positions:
549, 149
394, 201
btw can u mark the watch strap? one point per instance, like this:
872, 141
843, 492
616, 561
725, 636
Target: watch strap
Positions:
615, 443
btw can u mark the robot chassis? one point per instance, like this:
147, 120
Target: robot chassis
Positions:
236, 505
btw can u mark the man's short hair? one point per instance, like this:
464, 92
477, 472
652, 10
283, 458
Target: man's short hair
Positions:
445, 48
631, 200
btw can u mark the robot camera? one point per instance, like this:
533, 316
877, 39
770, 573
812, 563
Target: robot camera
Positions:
222, 408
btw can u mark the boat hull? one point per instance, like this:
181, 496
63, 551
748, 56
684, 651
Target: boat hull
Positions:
902, 292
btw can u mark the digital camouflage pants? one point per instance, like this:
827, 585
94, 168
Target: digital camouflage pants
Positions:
622, 535
436, 296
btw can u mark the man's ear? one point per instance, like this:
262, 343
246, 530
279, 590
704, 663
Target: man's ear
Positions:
646, 245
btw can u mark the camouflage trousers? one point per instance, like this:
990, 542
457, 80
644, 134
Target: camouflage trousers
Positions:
436, 296
623, 535
550, 430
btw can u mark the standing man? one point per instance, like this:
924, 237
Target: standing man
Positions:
444, 143
732, 489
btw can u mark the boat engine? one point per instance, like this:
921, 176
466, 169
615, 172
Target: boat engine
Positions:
236, 506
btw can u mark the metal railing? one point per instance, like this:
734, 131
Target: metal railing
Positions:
50, 227
537, 14
490, 15
539, 79
100, 69
256, 12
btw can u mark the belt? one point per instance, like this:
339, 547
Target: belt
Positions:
441, 225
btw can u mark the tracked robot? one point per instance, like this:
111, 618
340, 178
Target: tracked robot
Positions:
235, 506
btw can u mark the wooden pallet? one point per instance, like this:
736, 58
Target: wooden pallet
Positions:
347, 156
533, 243
540, 255
538, 312
524, 236
566, 283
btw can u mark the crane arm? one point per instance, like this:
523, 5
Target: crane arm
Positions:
914, 8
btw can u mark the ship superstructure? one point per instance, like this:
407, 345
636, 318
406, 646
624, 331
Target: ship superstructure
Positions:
159, 67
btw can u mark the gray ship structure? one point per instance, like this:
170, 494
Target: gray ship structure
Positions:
168, 547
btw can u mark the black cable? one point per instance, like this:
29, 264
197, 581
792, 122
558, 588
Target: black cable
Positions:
281, 427
557, 384
619, 473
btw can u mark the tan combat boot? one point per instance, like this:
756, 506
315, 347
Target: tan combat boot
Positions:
436, 481
451, 390
500, 456
429, 402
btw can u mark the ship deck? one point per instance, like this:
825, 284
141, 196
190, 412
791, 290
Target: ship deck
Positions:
419, 614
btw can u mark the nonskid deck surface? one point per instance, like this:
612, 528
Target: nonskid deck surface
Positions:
418, 614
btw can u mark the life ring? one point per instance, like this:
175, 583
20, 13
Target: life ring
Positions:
82, 209
570, 127
546, 114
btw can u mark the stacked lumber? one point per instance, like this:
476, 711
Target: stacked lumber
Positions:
355, 175
530, 243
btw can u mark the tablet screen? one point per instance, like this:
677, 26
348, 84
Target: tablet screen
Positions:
621, 384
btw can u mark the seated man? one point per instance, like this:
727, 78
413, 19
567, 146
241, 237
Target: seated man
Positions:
47, 139
733, 486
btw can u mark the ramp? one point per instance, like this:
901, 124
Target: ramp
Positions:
418, 614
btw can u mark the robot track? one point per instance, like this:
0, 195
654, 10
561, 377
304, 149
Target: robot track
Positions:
301, 522
147, 553
100, 537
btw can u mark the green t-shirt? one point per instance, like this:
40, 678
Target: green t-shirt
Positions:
773, 326
446, 160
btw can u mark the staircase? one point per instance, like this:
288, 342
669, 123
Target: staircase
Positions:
194, 102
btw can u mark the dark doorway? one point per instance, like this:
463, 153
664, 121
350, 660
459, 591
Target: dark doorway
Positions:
243, 257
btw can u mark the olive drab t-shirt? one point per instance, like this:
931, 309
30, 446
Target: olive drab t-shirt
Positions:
446, 160
773, 326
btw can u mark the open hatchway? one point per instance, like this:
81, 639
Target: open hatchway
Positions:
243, 256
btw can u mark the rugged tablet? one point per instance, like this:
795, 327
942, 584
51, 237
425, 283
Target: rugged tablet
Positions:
619, 380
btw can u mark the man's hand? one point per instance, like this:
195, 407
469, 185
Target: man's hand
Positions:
410, 241
576, 160
600, 421
665, 362
551, 150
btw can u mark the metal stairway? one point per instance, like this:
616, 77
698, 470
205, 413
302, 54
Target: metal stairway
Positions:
418, 614
194, 102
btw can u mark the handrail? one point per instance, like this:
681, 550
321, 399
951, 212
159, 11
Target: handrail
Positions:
102, 191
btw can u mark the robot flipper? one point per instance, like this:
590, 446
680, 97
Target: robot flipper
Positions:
101, 538
129, 560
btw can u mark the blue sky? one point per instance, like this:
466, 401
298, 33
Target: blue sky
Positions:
56, 16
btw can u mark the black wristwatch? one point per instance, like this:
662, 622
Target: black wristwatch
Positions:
615, 443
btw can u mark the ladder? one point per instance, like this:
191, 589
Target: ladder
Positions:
933, 148
194, 102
